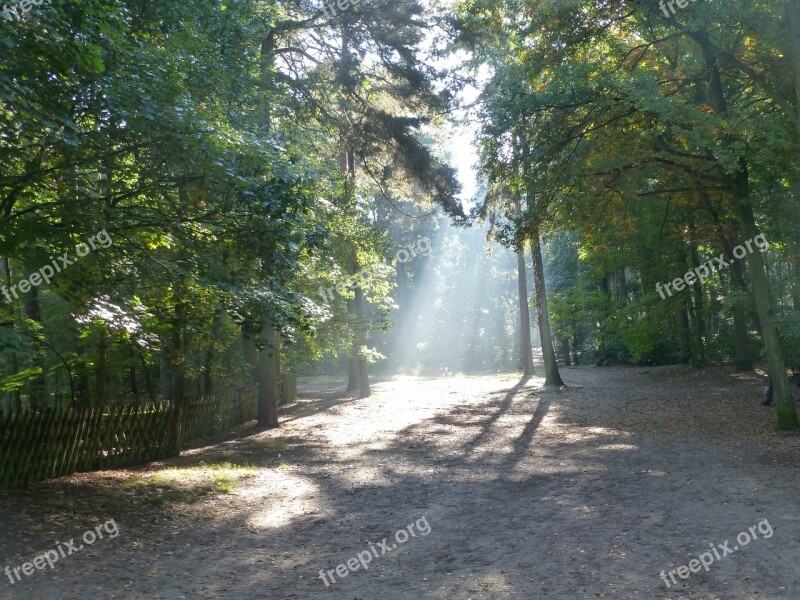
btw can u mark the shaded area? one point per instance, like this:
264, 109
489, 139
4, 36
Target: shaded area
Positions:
585, 492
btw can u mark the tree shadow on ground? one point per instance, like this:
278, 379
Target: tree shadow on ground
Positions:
517, 509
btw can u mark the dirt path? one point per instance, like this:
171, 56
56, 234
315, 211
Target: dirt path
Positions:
588, 492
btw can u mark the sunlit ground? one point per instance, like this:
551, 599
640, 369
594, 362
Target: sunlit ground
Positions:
587, 492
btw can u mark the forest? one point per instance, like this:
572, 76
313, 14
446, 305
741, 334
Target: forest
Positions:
526, 254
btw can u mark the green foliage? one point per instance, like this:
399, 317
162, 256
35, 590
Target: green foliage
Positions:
205, 139
631, 132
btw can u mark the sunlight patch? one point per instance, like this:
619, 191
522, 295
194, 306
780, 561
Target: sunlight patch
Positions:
618, 447
290, 497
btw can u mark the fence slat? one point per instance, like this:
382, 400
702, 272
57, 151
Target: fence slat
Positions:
41, 445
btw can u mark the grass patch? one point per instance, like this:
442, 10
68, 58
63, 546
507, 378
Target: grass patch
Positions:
110, 502
190, 484
272, 444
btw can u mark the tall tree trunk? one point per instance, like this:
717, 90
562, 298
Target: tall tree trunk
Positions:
782, 392
361, 343
353, 382
354, 365
37, 387
699, 329
268, 372
526, 349
565, 351
552, 375
358, 374
740, 186
83, 399
743, 361
622, 286
743, 356
268, 375
178, 364
604, 287
699, 306
134, 383
101, 368
684, 332
148, 380
524, 308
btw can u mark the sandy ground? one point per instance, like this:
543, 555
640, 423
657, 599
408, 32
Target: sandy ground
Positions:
583, 493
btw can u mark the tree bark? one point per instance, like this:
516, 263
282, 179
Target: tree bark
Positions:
565, 352
358, 374
37, 387
743, 361
684, 333
740, 187
361, 343
178, 364
148, 380
524, 316
101, 369
526, 349
743, 356
698, 307
134, 382
552, 375
268, 371
268, 375
622, 286
83, 398
353, 383
782, 392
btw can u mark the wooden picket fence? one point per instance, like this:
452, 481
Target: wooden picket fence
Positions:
207, 416
35, 446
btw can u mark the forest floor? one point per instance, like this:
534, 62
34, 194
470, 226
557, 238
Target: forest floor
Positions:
511, 491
